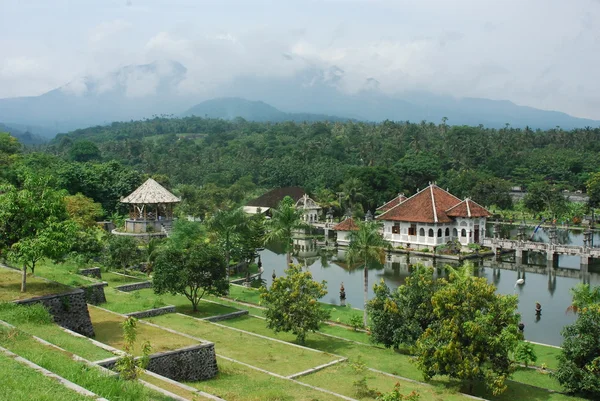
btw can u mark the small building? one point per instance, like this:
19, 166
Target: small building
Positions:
343, 230
270, 200
433, 217
150, 210
310, 209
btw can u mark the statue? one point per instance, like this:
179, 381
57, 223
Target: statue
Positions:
538, 309
342, 295
274, 275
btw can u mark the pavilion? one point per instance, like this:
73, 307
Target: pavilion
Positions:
150, 210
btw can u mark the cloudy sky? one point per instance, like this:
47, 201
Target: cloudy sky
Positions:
540, 53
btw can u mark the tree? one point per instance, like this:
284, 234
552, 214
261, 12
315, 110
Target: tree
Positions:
366, 246
541, 196
583, 296
34, 224
227, 224
122, 251
351, 188
473, 333
293, 303
593, 189
525, 353
401, 316
191, 272
286, 219
128, 366
579, 361
84, 151
83, 210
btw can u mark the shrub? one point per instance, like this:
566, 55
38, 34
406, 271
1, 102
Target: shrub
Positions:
525, 353
356, 322
129, 366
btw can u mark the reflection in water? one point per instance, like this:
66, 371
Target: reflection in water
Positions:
544, 283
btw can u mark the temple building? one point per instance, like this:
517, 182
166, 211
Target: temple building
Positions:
433, 217
150, 211
310, 209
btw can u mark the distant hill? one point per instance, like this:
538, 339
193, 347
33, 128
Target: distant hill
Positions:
232, 107
26, 138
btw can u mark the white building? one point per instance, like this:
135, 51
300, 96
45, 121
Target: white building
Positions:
432, 217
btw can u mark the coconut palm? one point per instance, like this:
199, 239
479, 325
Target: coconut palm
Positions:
367, 246
226, 224
285, 220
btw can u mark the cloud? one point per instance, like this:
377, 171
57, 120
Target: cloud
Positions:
542, 53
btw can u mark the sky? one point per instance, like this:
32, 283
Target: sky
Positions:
539, 53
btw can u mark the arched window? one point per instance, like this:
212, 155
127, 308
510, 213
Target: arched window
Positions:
439, 232
431, 232
463, 233
422, 232
447, 232
455, 232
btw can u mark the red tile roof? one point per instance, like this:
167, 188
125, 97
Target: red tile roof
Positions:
394, 202
467, 208
346, 225
426, 206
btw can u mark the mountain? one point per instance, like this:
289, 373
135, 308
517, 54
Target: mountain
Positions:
232, 107
133, 92
312, 94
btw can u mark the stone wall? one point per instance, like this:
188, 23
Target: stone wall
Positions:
68, 310
153, 312
226, 316
94, 293
91, 272
197, 362
134, 286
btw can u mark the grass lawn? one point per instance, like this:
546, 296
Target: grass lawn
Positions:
400, 364
10, 286
236, 382
66, 273
270, 355
165, 385
24, 318
25, 384
108, 330
77, 372
546, 355
114, 279
127, 302
376, 382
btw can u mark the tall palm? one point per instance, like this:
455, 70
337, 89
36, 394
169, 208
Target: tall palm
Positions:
285, 220
367, 246
351, 189
226, 224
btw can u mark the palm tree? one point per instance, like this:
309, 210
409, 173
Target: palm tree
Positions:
366, 245
285, 220
226, 224
351, 189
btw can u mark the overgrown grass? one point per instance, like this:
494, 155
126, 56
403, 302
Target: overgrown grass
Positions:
63, 365
114, 279
35, 320
236, 382
270, 355
107, 327
21, 383
10, 286
145, 299
190, 395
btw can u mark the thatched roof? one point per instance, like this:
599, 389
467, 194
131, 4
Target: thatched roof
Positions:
150, 192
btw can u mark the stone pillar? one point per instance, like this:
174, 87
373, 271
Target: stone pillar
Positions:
521, 256
552, 257
496, 229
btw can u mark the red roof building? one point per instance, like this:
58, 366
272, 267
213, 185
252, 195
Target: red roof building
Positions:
433, 217
394, 202
343, 229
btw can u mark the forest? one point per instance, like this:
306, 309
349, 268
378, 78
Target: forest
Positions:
213, 162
